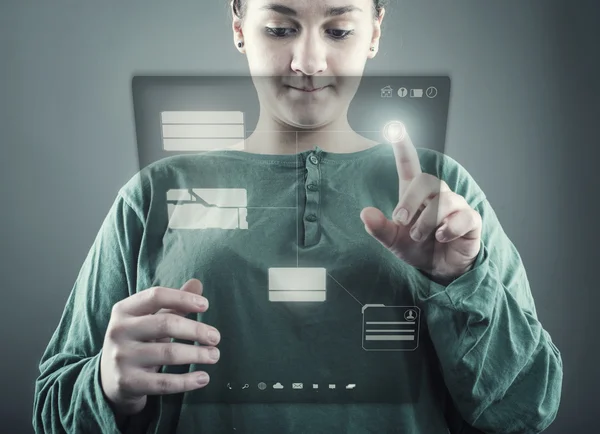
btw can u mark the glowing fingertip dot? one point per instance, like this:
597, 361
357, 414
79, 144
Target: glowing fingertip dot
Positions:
394, 131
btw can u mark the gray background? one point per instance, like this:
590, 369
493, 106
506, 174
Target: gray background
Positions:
523, 121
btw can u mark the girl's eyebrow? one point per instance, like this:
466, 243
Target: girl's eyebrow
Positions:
331, 12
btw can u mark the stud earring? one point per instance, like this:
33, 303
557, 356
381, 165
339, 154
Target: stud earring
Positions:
372, 48
240, 44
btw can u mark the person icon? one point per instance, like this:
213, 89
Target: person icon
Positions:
410, 315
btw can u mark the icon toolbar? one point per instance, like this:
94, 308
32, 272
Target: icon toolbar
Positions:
295, 386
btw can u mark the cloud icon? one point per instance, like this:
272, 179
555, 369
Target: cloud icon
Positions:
277, 386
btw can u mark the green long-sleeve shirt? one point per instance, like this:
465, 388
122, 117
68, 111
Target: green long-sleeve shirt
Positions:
476, 354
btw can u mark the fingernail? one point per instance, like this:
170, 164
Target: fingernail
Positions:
202, 378
402, 215
201, 301
415, 234
214, 353
213, 336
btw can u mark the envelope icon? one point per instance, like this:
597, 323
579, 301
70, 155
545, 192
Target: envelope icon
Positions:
296, 385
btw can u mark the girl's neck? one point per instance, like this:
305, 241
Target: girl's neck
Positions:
275, 138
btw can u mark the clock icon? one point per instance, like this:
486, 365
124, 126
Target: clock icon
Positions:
431, 92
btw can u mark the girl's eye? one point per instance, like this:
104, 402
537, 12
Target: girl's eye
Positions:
341, 34
282, 32
278, 32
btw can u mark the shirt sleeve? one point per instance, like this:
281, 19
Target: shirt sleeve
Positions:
500, 366
68, 394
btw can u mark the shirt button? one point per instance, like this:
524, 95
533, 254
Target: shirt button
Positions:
312, 187
313, 159
311, 218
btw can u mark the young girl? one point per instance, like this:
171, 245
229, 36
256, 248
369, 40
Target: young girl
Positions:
390, 225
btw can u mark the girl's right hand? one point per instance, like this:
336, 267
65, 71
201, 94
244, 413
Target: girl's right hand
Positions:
137, 344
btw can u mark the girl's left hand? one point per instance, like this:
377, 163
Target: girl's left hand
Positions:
439, 234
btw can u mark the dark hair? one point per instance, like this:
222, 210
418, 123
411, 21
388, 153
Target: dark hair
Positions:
239, 7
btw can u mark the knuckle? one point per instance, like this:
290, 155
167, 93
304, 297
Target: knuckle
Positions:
115, 330
449, 201
187, 299
168, 353
123, 382
119, 356
116, 309
184, 297
153, 294
447, 198
469, 219
475, 218
163, 324
460, 199
162, 384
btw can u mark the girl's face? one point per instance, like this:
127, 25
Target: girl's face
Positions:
294, 46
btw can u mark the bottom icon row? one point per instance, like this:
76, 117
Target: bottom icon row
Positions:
297, 386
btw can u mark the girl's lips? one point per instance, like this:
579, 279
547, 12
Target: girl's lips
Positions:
308, 91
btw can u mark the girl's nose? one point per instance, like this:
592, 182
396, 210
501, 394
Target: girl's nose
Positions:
309, 55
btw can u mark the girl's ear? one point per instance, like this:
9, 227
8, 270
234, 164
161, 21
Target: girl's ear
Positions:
236, 27
376, 34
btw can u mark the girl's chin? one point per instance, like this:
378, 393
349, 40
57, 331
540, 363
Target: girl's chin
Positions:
305, 122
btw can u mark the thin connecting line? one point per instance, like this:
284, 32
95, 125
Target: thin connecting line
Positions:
297, 206
345, 289
288, 131
297, 229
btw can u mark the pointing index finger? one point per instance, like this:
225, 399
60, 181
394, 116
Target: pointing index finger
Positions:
407, 159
